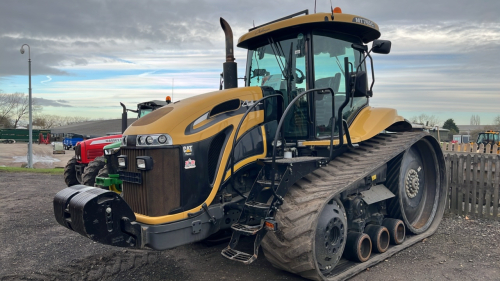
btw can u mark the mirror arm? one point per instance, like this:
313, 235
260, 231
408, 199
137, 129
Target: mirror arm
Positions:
370, 92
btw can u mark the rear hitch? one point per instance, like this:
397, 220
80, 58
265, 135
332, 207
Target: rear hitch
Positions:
98, 214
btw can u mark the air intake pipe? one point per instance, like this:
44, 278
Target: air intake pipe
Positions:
230, 72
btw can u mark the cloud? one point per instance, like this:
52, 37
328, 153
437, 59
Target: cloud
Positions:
48, 102
48, 80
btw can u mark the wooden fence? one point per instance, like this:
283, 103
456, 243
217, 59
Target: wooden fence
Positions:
470, 148
474, 184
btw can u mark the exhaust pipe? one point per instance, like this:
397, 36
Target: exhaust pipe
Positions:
358, 247
380, 237
396, 230
124, 118
230, 72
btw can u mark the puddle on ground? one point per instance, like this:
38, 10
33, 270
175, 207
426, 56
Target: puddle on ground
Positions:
42, 159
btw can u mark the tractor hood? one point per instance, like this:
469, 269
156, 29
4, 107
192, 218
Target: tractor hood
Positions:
197, 118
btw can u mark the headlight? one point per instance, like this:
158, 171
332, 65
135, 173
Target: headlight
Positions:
154, 140
144, 163
162, 139
122, 161
111, 151
141, 164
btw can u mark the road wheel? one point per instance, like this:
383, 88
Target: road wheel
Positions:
103, 173
413, 177
70, 172
91, 171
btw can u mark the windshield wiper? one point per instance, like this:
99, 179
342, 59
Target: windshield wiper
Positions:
276, 55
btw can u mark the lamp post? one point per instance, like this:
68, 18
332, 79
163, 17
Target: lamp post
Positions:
30, 126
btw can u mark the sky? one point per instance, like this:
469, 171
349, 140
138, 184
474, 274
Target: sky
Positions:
90, 55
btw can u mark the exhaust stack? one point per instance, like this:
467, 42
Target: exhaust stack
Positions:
230, 71
124, 118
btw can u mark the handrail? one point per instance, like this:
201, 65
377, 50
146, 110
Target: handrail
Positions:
346, 101
236, 136
280, 124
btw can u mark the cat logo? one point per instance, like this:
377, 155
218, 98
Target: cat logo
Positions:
188, 149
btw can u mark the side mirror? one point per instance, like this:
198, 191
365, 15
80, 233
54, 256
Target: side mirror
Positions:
381, 46
361, 87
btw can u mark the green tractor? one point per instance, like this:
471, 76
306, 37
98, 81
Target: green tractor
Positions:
107, 177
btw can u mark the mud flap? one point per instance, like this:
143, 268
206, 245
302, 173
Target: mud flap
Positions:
98, 214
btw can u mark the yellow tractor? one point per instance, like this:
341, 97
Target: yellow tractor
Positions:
489, 137
297, 160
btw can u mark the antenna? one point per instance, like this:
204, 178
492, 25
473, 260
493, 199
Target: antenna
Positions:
254, 20
315, 6
331, 6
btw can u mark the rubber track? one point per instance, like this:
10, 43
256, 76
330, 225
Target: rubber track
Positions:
70, 172
91, 171
290, 248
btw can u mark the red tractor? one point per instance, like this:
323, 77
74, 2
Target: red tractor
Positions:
88, 159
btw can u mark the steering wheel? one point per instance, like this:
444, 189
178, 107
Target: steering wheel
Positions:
300, 78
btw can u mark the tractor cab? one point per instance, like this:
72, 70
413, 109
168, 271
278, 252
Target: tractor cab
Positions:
489, 137
321, 51
145, 108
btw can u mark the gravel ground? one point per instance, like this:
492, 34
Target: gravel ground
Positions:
35, 247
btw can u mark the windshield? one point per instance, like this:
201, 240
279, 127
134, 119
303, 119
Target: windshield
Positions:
143, 112
281, 65
329, 72
488, 137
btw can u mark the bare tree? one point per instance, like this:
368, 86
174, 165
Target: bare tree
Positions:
15, 107
6, 106
47, 121
496, 122
424, 119
21, 107
475, 120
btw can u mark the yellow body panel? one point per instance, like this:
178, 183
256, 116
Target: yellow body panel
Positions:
369, 122
182, 115
318, 18
188, 110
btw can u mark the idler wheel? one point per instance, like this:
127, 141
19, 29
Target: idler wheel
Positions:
358, 247
380, 237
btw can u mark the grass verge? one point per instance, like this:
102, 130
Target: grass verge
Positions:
54, 171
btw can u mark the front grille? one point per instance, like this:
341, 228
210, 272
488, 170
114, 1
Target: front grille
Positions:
93, 153
130, 177
78, 152
158, 190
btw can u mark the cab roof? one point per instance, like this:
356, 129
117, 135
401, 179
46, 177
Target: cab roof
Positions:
360, 27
